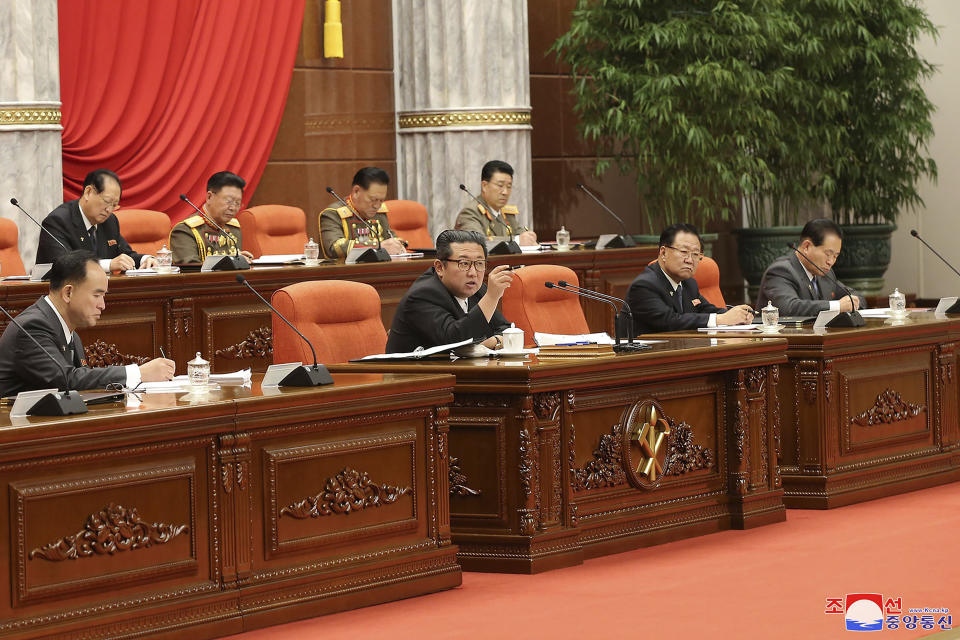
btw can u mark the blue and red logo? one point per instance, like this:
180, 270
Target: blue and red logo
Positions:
864, 612
871, 612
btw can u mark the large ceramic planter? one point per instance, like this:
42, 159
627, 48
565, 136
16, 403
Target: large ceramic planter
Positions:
865, 257
758, 248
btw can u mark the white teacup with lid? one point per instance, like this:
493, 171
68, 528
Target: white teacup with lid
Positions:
513, 339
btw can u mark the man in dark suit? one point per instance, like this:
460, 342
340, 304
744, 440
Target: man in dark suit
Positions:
77, 289
88, 223
665, 297
449, 302
795, 285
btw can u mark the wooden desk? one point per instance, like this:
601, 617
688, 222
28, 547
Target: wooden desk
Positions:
543, 458
868, 412
239, 510
213, 314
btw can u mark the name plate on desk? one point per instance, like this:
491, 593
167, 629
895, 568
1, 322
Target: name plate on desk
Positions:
39, 271
277, 372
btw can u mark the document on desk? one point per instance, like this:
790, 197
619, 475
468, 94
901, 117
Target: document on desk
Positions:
731, 327
280, 258
417, 354
554, 339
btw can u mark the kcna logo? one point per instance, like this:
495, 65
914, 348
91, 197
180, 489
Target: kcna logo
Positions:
870, 612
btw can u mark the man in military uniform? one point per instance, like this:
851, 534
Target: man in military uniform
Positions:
341, 228
496, 183
193, 239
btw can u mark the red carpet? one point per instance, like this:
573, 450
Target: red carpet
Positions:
769, 583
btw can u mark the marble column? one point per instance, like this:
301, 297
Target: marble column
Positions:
462, 98
31, 163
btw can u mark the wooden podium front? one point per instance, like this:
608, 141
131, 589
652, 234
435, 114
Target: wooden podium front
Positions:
555, 461
205, 516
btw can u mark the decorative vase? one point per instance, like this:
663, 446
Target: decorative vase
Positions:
864, 257
757, 248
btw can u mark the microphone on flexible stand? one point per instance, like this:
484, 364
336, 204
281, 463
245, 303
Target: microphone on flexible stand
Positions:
370, 255
611, 241
623, 318
502, 247
236, 262
15, 203
302, 376
955, 307
52, 404
843, 318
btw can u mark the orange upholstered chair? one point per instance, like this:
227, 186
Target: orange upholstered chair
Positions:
10, 262
708, 281
409, 220
341, 318
273, 229
532, 307
144, 230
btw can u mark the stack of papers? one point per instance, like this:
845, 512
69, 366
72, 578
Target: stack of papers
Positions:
182, 383
280, 258
556, 339
149, 272
732, 327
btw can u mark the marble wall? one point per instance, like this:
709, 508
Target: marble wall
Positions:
31, 168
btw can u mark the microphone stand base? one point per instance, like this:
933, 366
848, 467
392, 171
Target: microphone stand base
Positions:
374, 255
227, 263
307, 376
503, 248
630, 347
847, 319
615, 242
58, 404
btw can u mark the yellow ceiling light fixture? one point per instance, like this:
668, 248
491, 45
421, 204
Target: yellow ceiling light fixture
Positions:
332, 30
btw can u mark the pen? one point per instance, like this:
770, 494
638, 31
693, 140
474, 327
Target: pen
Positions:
162, 353
571, 344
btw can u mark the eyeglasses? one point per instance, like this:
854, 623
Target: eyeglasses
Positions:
110, 204
501, 186
464, 265
232, 202
696, 256
830, 254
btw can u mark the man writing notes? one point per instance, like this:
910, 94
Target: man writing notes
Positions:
341, 228
665, 297
449, 302
88, 223
193, 239
496, 184
76, 299
795, 284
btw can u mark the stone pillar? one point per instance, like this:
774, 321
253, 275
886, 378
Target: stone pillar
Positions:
31, 162
463, 98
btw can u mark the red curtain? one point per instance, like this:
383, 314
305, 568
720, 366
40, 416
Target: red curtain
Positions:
168, 92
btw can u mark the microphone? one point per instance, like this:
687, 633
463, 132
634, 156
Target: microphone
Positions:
504, 247
52, 404
14, 202
302, 376
612, 241
623, 318
370, 255
623, 303
955, 307
235, 262
843, 318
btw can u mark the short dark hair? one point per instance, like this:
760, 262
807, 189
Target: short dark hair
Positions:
450, 236
495, 166
370, 175
818, 229
71, 268
670, 233
97, 177
222, 179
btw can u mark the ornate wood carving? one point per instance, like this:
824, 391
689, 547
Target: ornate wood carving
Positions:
740, 431
343, 494
606, 467
827, 378
775, 404
889, 407
257, 344
103, 354
458, 481
111, 530
684, 456
557, 482
528, 468
755, 380
482, 400
545, 405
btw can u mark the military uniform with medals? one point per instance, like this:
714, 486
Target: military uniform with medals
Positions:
340, 230
485, 222
193, 239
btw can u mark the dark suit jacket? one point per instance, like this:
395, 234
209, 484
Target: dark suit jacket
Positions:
69, 226
23, 367
651, 302
429, 315
785, 284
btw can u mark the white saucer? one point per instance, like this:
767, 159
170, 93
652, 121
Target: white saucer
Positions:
771, 329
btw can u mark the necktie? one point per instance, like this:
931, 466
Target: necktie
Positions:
814, 287
678, 298
93, 237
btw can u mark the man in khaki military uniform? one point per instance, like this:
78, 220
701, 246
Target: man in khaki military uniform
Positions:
496, 183
340, 228
193, 239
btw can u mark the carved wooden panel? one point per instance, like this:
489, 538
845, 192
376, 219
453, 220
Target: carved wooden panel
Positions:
237, 336
478, 443
123, 336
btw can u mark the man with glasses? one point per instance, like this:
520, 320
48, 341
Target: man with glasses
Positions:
496, 185
88, 223
450, 302
665, 296
795, 283
193, 239
341, 228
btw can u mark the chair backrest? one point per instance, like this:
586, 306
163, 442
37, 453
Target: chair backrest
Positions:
144, 230
532, 307
10, 262
272, 229
708, 281
340, 317
410, 221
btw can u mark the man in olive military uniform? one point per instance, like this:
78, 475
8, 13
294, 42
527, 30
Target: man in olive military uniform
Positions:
496, 183
193, 239
341, 228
